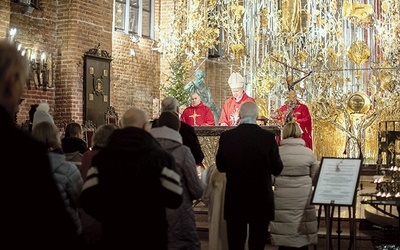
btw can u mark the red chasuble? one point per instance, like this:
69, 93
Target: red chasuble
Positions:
199, 115
230, 110
302, 116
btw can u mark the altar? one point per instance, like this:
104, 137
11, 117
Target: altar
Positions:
209, 138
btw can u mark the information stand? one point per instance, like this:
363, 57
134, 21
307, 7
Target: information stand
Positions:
336, 185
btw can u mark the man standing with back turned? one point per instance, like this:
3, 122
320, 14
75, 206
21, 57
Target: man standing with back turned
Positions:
129, 186
249, 155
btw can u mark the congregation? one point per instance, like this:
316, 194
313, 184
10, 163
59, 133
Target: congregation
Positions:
145, 173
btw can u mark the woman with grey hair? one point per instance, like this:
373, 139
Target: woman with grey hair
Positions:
66, 174
99, 140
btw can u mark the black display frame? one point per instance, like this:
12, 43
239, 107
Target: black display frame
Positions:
337, 182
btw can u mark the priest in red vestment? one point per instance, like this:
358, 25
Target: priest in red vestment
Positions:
296, 111
230, 110
198, 114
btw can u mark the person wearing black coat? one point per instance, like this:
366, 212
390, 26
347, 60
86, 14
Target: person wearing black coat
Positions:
129, 186
34, 214
187, 132
249, 155
72, 141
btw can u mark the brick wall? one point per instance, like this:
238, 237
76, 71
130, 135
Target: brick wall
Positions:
68, 29
65, 30
81, 25
134, 79
4, 18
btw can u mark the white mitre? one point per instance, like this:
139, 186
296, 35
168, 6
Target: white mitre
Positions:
236, 81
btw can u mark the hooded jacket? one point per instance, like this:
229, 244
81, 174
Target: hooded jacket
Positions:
182, 233
131, 183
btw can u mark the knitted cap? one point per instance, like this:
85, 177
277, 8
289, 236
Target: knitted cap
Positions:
42, 114
169, 119
236, 81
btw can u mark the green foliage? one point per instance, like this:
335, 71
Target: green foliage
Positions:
175, 85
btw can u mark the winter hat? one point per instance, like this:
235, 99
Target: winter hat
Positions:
236, 81
169, 119
42, 114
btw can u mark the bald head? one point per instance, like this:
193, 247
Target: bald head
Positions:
14, 72
170, 104
248, 112
135, 117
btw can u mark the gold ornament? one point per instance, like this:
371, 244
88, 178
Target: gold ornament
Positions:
358, 13
358, 52
385, 6
358, 103
262, 107
264, 17
237, 50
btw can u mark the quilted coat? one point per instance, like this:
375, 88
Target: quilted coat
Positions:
69, 182
295, 223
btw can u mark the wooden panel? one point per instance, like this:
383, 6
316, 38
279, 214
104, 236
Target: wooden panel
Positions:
97, 89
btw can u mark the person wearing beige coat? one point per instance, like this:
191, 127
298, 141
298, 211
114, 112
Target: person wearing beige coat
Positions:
214, 197
295, 224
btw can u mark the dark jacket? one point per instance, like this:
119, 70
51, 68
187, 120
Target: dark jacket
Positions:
73, 144
132, 182
34, 215
249, 155
189, 139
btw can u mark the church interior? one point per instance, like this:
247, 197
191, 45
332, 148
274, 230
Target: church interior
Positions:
92, 60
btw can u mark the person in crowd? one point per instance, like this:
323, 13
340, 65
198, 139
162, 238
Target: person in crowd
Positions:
129, 186
42, 114
249, 155
197, 114
295, 224
198, 85
99, 140
213, 197
31, 112
230, 110
73, 139
91, 228
66, 174
34, 212
294, 110
181, 109
73, 144
182, 233
187, 132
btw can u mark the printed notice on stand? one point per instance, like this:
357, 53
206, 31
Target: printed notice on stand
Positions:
337, 182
